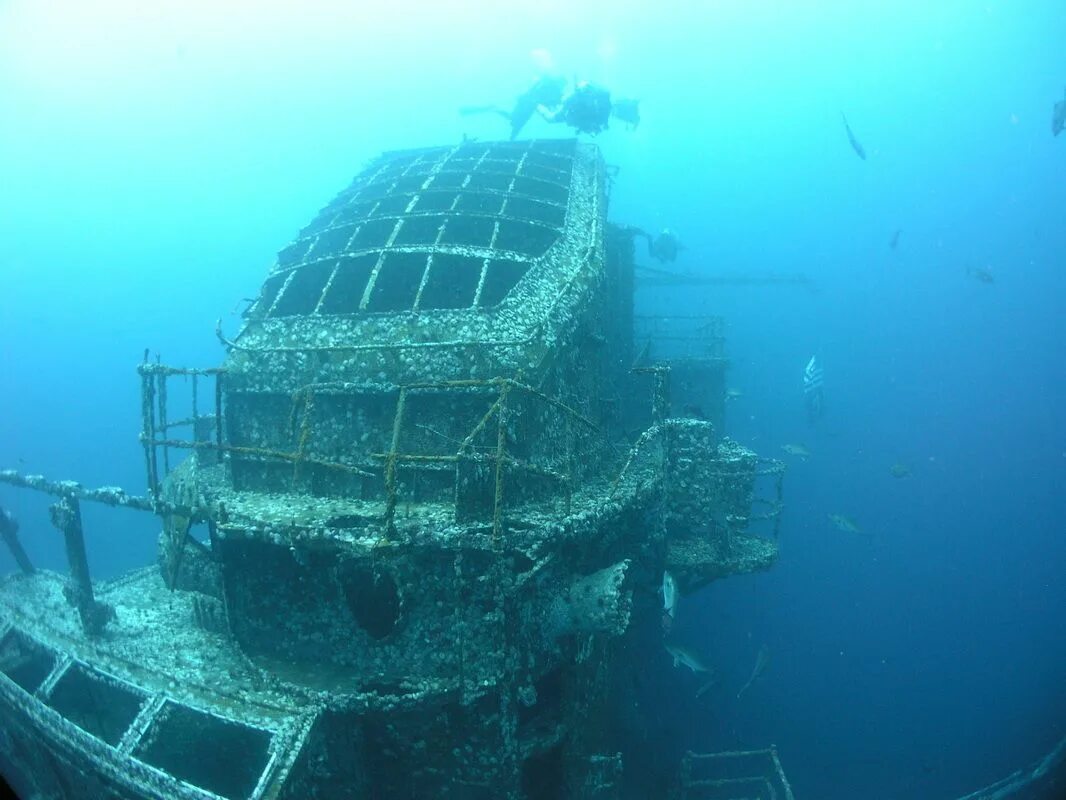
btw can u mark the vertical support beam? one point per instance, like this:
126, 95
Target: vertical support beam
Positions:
390, 465
148, 429
569, 486
66, 515
161, 379
660, 404
9, 530
501, 457
172, 547
195, 400
218, 412
305, 437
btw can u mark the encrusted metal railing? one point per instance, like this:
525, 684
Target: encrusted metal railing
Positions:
580, 444
681, 336
157, 440
734, 775
155, 428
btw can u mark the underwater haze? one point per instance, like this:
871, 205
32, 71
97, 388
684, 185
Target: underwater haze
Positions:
155, 157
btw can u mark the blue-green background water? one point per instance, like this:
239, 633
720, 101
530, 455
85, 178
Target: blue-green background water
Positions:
153, 160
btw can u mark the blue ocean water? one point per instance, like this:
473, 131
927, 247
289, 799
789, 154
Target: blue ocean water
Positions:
153, 160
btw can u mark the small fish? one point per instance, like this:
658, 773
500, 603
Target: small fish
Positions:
894, 241
899, 470
797, 450
683, 656
844, 523
733, 394
982, 274
762, 661
851, 138
708, 684
1058, 116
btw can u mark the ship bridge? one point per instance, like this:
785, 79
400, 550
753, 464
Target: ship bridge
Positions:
438, 264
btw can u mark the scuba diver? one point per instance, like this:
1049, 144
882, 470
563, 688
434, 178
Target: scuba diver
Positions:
587, 109
546, 91
664, 247
628, 111
813, 393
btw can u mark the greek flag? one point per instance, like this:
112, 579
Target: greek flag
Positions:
812, 376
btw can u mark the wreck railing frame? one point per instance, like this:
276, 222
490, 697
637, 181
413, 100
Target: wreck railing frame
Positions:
154, 406
66, 517
155, 426
690, 759
701, 342
155, 422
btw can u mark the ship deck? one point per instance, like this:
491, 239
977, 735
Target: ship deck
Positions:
155, 706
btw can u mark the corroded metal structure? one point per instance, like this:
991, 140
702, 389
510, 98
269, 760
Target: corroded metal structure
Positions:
410, 527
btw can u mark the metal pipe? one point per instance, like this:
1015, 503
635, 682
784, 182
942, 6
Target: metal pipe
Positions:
108, 495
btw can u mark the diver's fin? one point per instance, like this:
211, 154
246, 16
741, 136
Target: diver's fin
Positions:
466, 111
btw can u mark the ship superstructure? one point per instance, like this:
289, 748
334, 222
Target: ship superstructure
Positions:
413, 523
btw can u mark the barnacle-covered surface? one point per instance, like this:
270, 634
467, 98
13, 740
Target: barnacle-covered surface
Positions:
159, 707
153, 642
435, 489
439, 264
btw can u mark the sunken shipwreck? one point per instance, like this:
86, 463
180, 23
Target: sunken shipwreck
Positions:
414, 527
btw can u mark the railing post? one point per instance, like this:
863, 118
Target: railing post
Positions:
391, 494
501, 457
9, 529
148, 429
66, 515
161, 390
660, 408
218, 412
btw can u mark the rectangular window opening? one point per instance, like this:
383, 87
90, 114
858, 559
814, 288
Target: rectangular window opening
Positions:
418, 231
524, 238
304, 290
97, 705
25, 661
501, 276
452, 282
346, 291
535, 211
434, 201
374, 233
332, 241
397, 282
470, 231
220, 755
479, 203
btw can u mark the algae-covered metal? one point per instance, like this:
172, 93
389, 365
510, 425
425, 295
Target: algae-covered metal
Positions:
423, 515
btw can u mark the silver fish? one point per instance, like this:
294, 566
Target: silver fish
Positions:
762, 661
669, 595
851, 138
683, 656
